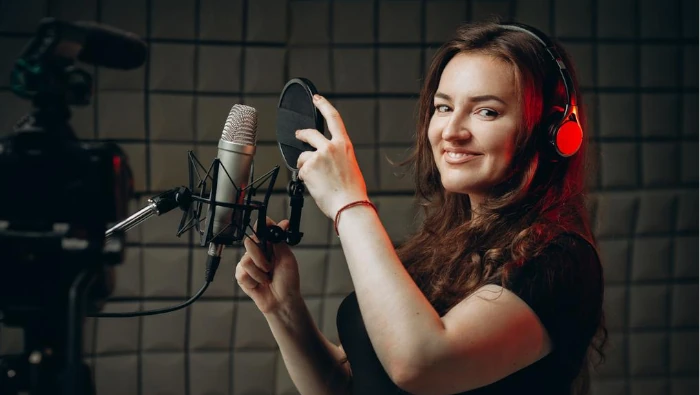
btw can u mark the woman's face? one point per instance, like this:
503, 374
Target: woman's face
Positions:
476, 117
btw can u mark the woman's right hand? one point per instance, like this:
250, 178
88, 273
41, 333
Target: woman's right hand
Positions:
270, 283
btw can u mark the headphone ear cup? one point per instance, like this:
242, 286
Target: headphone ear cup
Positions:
567, 138
564, 137
550, 127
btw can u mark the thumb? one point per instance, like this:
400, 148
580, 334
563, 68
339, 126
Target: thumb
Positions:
284, 224
282, 247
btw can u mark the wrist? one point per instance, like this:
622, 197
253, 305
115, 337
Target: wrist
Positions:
352, 205
345, 200
286, 309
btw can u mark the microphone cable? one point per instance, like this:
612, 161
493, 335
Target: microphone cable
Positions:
156, 311
212, 265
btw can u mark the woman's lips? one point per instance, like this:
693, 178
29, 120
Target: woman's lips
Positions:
455, 158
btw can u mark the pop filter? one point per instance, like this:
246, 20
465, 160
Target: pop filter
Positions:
296, 111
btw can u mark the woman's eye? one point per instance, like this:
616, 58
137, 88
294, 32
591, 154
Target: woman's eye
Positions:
442, 108
487, 113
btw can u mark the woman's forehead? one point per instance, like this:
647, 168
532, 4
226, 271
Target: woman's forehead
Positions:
476, 74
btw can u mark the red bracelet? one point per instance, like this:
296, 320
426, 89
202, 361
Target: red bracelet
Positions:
353, 204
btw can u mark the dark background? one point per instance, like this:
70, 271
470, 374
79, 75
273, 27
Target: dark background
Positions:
638, 66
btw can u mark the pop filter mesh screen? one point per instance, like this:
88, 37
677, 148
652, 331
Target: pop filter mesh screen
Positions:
296, 111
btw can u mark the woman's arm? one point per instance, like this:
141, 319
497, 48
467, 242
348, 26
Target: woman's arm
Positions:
315, 365
484, 338
479, 341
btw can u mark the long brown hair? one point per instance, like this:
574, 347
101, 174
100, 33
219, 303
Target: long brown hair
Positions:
455, 252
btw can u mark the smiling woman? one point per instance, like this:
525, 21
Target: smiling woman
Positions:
514, 215
477, 116
500, 291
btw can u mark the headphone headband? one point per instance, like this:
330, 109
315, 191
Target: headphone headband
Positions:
569, 88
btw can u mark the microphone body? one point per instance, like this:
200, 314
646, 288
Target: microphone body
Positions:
233, 176
236, 150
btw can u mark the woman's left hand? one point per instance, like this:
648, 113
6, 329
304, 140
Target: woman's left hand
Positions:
331, 173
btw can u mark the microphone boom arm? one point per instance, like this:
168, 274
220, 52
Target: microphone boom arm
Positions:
157, 205
183, 198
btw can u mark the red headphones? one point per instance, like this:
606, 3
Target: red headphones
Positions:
564, 129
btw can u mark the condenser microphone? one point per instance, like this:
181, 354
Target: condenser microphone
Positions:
235, 160
236, 150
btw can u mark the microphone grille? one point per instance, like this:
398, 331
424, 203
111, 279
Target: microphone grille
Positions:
241, 125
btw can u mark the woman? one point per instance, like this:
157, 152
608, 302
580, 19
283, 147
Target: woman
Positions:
501, 289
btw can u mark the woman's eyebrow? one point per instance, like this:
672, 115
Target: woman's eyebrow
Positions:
475, 99
483, 98
440, 95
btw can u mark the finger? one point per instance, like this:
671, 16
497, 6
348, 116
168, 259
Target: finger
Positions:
335, 123
258, 255
254, 252
243, 278
254, 271
284, 224
280, 248
303, 158
252, 237
312, 136
268, 221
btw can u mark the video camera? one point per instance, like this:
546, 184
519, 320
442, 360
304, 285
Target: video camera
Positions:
59, 195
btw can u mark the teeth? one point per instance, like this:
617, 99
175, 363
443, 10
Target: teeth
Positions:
457, 155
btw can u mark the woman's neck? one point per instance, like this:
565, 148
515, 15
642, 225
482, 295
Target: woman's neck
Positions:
475, 202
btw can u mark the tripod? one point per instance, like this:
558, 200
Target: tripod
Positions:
55, 263
61, 194
52, 361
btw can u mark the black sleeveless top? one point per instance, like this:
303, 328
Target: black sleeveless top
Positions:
563, 286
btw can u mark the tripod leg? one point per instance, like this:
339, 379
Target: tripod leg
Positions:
8, 376
77, 375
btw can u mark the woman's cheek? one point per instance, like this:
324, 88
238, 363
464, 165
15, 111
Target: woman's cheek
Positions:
434, 132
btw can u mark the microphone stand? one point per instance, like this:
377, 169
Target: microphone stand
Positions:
183, 198
295, 189
157, 205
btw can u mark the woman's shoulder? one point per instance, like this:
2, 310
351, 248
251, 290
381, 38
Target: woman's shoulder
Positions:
566, 250
568, 262
574, 253
563, 285
573, 242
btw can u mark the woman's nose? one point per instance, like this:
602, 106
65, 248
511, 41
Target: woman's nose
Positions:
457, 128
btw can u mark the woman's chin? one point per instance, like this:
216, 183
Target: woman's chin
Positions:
459, 188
